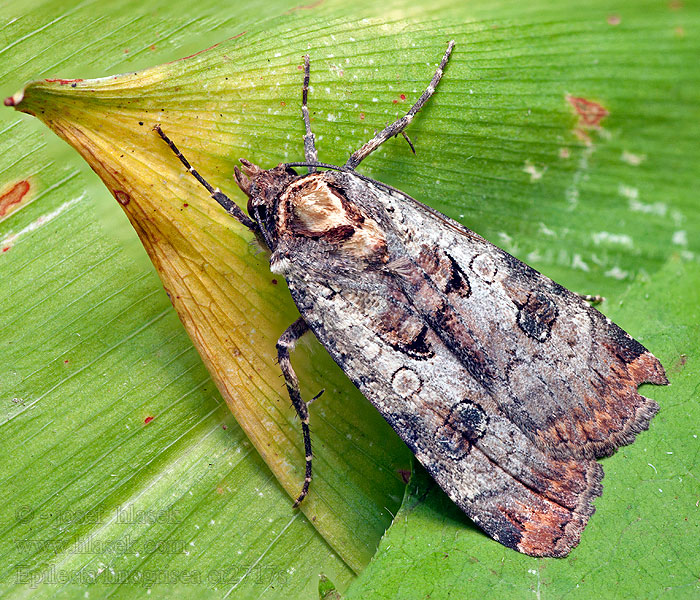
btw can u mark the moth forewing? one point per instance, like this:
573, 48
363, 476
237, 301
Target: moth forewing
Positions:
504, 384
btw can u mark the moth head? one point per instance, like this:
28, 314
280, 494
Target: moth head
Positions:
263, 186
242, 180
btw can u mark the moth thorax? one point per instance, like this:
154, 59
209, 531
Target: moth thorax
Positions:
318, 209
321, 211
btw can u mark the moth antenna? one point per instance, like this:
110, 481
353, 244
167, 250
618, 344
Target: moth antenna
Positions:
226, 203
310, 153
399, 125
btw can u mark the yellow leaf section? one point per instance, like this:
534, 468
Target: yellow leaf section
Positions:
211, 267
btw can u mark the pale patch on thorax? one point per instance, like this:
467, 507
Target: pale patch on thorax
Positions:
318, 208
367, 240
318, 211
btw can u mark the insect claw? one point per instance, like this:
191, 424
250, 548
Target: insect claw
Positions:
316, 396
405, 135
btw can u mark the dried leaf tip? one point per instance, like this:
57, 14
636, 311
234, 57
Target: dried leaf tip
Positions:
15, 99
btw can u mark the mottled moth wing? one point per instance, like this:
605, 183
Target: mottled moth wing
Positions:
504, 384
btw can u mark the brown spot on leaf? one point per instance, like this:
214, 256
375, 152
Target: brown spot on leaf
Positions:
305, 7
14, 196
207, 49
590, 113
680, 363
122, 197
405, 475
63, 81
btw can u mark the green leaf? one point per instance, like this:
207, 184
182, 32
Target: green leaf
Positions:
642, 540
593, 202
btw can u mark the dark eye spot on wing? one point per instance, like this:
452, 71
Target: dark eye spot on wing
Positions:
537, 316
444, 271
418, 347
458, 281
465, 424
405, 333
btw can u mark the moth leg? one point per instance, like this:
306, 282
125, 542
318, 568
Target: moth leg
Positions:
310, 153
408, 139
316, 397
593, 299
399, 125
228, 205
286, 343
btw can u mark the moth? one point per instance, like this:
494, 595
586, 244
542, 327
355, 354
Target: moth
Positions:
504, 384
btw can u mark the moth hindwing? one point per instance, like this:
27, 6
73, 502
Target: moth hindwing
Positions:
504, 384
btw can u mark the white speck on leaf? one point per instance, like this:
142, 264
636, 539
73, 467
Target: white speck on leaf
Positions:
617, 273
621, 239
633, 159
533, 171
628, 191
544, 230
680, 238
578, 263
